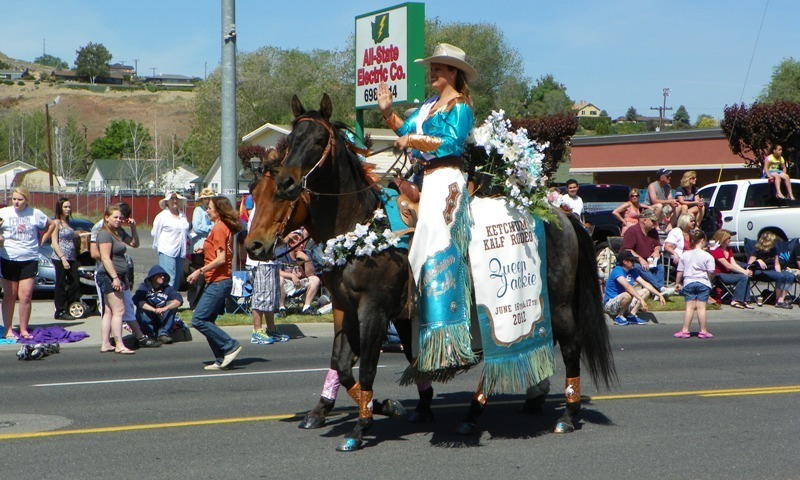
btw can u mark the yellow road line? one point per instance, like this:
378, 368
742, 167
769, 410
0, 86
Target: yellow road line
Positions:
151, 426
703, 393
266, 418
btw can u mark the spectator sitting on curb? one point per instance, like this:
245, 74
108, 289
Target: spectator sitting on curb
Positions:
157, 304
622, 300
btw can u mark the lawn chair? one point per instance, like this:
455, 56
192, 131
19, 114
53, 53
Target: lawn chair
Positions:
241, 294
760, 285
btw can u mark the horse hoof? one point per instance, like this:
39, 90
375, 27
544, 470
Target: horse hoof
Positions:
311, 422
349, 445
392, 408
420, 417
562, 427
466, 428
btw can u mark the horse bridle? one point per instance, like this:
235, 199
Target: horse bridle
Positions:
328, 151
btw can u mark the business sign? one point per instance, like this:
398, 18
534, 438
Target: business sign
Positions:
387, 43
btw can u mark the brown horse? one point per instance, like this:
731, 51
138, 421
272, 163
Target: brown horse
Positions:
323, 181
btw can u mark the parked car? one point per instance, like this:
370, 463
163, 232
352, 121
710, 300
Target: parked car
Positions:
748, 208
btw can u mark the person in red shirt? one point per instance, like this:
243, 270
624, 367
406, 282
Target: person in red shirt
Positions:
217, 273
729, 271
642, 240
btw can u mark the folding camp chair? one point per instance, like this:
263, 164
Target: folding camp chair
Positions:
241, 294
787, 255
760, 285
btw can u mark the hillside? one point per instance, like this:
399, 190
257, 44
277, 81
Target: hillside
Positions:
167, 113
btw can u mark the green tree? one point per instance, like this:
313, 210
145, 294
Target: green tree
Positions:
23, 138
502, 83
122, 139
51, 61
706, 121
548, 97
681, 118
785, 83
751, 131
631, 115
92, 61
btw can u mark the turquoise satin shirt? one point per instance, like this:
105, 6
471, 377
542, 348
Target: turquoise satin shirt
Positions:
452, 127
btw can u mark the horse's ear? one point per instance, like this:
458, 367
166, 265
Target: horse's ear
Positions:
297, 107
326, 107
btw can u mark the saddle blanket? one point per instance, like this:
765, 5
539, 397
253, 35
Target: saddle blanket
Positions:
509, 273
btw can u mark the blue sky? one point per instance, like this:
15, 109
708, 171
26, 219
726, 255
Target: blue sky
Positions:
613, 53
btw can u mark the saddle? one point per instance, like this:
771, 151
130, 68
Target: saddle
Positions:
407, 201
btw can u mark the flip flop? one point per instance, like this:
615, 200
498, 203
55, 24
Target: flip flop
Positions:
107, 350
682, 335
125, 352
26, 336
704, 335
738, 305
748, 306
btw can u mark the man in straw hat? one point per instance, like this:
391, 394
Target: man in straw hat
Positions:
170, 231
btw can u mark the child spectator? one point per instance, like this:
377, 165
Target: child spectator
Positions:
157, 304
694, 269
775, 167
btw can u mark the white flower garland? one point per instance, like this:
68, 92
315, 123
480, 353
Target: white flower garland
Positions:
521, 160
373, 237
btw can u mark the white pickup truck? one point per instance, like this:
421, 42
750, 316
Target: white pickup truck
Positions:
749, 208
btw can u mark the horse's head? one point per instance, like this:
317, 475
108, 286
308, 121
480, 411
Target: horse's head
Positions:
309, 144
273, 218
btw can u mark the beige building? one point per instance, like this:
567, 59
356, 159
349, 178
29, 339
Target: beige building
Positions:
586, 109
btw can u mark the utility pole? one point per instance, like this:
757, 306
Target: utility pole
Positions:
228, 138
662, 110
154, 70
136, 67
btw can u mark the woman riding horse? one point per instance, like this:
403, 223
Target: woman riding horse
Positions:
322, 186
437, 133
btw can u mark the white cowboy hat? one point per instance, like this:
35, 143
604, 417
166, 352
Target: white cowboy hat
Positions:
447, 54
207, 193
163, 202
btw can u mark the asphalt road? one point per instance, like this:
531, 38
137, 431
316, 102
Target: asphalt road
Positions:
720, 408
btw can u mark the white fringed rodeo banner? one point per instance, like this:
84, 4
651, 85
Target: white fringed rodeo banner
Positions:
509, 273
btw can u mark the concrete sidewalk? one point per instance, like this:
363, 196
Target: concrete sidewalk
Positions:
42, 316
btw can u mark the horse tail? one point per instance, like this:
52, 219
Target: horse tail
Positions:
587, 310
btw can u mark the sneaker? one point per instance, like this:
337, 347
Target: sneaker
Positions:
281, 312
147, 342
667, 291
261, 338
620, 320
279, 337
310, 311
785, 305
165, 339
633, 319
229, 357
215, 366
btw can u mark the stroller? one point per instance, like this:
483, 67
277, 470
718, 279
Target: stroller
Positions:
88, 302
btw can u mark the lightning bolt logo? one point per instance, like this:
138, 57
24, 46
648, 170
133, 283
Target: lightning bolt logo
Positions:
380, 29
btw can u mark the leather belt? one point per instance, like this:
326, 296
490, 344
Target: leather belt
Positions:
445, 162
